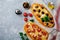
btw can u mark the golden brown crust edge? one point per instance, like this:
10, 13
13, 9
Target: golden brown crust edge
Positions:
32, 37
39, 19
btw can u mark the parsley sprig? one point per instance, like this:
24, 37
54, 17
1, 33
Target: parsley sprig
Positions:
23, 36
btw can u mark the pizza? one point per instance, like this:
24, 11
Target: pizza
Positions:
35, 32
42, 15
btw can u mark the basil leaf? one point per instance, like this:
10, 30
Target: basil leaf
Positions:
21, 34
32, 20
42, 19
45, 19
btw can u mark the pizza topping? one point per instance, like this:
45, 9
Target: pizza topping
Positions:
47, 14
28, 30
36, 6
52, 22
33, 26
38, 15
39, 38
39, 10
47, 23
39, 35
27, 25
42, 7
42, 19
33, 30
34, 10
51, 18
44, 33
34, 36
45, 19
39, 30
42, 12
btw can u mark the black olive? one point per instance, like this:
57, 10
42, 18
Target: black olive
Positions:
46, 23
42, 7
47, 14
26, 5
42, 12
42, 19
18, 12
34, 10
36, 6
39, 10
38, 15
52, 22
51, 18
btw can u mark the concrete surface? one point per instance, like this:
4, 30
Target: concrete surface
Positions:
10, 23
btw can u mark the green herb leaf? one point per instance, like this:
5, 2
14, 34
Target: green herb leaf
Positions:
25, 35
21, 34
45, 19
32, 20
42, 19
27, 39
22, 38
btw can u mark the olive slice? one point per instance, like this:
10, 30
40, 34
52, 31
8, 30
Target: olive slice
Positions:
47, 23
42, 12
36, 6
34, 10
42, 19
42, 7
39, 16
51, 18
47, 14
52, 22
39, 10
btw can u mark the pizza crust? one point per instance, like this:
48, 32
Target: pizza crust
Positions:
35, 32
38, 10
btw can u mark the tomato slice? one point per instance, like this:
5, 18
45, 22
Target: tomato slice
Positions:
28, 30
34, 36
27, 25
33, 30
39, 38
39, 35
38, 30
33, 26
44, 33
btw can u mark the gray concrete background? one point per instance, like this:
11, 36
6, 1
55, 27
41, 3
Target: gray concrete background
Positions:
10, 23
